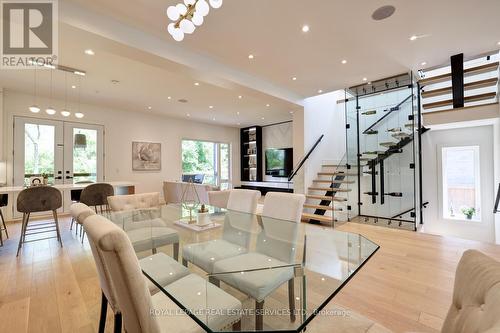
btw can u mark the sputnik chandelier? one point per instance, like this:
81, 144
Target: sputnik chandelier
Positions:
188, 15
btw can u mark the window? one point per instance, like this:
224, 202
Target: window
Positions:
461, 183
207, 162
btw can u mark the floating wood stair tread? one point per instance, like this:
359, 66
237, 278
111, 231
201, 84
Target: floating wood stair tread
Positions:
468, 86
325, 197
327, 181
474, 98
336, 174
388, 144
329, 208
322, 218
467, 72
332, 189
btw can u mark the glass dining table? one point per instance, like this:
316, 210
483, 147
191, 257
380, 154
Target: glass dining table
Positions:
238, 272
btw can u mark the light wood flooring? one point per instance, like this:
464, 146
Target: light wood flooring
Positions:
406, 286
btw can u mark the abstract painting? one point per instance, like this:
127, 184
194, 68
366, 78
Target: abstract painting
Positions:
146, 156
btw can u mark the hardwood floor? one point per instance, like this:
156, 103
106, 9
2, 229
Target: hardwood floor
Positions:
405, 287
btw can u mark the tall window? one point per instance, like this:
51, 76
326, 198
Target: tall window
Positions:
207, 162
461, 183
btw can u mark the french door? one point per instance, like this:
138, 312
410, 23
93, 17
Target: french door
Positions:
64, 152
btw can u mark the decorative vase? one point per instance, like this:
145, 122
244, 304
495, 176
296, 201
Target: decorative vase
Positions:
203, 219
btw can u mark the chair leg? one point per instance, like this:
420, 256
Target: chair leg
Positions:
214, 281
83, 234
25, 226
259, 315
104, 309
291, 299
118, 323
184, 262
3, 223
71, 225
237, 326
56, 220
154, 251
176, 251
22, 234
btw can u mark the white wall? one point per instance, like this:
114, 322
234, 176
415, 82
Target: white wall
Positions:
298, 149
434, 223
276, 136
123, 127
322, 115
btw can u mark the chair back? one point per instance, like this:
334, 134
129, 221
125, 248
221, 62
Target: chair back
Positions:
96, 194
80, 212
476, 296
39, 199
284, 206
123, 274
119, 203
244, 201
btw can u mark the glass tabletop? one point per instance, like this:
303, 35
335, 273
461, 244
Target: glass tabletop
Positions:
232, 271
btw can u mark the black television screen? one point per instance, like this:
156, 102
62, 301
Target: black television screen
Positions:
279, 162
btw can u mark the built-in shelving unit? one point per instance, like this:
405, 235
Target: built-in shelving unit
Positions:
251, 154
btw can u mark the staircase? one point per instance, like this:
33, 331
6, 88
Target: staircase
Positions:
328, 195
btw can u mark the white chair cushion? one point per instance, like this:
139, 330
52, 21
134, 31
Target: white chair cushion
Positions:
205, 254
163, 269
199, 295
284, 206
80, 212
257, 284
244, 201
144, 239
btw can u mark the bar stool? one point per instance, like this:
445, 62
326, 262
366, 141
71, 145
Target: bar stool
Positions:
34, 200
96, 196
4, 201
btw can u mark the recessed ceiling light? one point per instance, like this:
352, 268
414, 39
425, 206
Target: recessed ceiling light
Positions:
268, 105
383, 12
423, 63
238, 113
34, 109
365, 79
305, 28
294, 78
344, 62
369, 82
262, 118
414, 37
213, 118
238, 124
79, 115
73, 87
188, 115
320, 91
210, 106
65, 113
240, 97
291, 112
498, 43
196, 83
89, 52
250, 56
150, 107
169, 97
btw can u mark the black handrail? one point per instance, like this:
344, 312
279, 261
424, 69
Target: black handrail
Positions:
389, 111
497, 201
303, 160
424, 205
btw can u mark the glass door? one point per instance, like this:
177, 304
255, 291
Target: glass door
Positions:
64, 152
38, 150
83, 151
224, 173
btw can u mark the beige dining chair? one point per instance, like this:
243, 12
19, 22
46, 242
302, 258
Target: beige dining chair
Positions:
275, 247
125, 283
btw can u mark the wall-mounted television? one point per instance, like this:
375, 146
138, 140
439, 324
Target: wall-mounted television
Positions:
279, 162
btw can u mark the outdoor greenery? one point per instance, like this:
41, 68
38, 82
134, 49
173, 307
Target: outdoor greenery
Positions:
275, 159
198, 157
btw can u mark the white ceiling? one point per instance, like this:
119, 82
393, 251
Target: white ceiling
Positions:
144, 80
133, 46
339, 29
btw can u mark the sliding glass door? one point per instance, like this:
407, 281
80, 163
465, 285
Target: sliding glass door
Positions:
206, 162
64, 152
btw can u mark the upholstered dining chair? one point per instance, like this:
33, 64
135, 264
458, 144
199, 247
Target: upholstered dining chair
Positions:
275, 247
4, 201
96, 196
121, 274
120, 203
34, 200
236, 234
